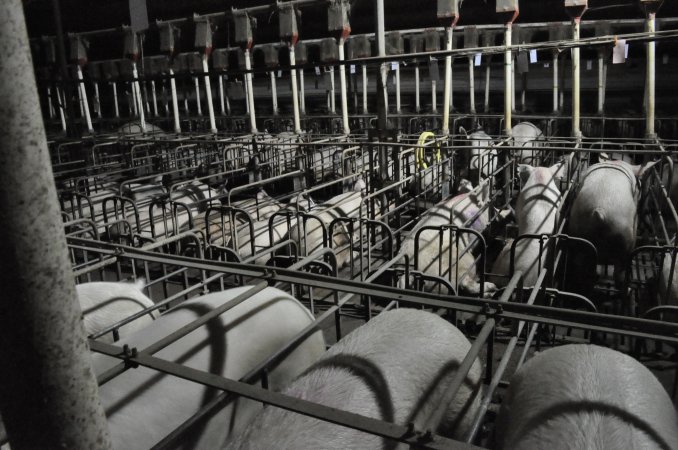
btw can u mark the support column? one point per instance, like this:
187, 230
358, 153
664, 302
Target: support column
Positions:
175, 102
295, 93
508, 85
417, 100
576, 81
650, 77
48, 391
448, 81
364, 69
250, 92
344, 94
208, 94
83, 99
274, 93
140, 105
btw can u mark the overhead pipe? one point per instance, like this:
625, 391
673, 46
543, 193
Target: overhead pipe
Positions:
48, 391
576, 9
508, 11
50, 107
396, 46
198, 102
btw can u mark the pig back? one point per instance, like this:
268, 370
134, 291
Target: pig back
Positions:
605, 210
586, 397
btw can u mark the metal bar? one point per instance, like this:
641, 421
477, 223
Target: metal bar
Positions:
295, 93
250, 92
471, 85
208, 95
48, 395
576, 80
650, 77
508, 85
274, 93
364, 70
139, 100
344, 93
448, 82
417, 101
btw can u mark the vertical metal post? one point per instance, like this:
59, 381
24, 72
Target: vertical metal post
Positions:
208, 94
333, 100
382, 92
62, 116
155, 99
448, 81
601, 82
397, 80
295, 93
97, 100
222, 104
508, 85
488, 67
471, 85
274, 93
344, 94
50, 107
83, 99
576, 82
228, 101
417, 100
250, 91
302, 92
115, 100
198, 102
61, 55
650, 77
434, 96
135, 88
364, 70
48, 393
555, 82
175, 102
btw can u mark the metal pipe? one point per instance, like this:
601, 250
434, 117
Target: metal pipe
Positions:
344, 94
601, 82
417, 100
62, 116
221, 95
513, 84
135, 87
576, 82
63, 68
274, 93
471, 85
488, 67
48, 392
302, 92
247, 96
83, 99
228, 101
175, 102
333, 104
132, 103
198, 103
382, 91
155, 99
508, 59
523, 92
50, 107
448, 82
364, 69
555, 82
97, 101
208, 95
115, 100
434, 96
250, 92
397, 80
650, 77
295, 93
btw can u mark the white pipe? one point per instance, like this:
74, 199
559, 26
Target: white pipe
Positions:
208, 95
228, 101
198, 101
471, 85
274, 93
155, 99
576, 132
221, 95
144, 93
97, 102
82, 111
523, 92
417, 100
364, 68
448, 82
397, 79
513, 84
650, 78
247, 96
134, 107
344, 93
61, 100
175, 102
302, 92
508, 60
295, 93
333, 105
115, 100
83, 99
135, 87
601, 83
487, 85
555, 82
164, 98
434, 98
250, 92
50, 107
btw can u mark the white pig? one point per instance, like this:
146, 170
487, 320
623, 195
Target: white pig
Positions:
483, 155
434, 259
394, 368
104, 304
143, 405
536, 211
526, 135
585, 397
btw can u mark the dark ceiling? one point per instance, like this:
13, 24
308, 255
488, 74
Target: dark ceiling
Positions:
86, 15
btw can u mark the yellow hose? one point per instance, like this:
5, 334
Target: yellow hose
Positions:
420, 157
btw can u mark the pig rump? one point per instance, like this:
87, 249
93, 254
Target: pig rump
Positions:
586, 397
394, 368
143, 406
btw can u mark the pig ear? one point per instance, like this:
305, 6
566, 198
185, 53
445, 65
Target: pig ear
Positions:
465, 186
642, 171
140, 284
602, 157
462, 130
524, 172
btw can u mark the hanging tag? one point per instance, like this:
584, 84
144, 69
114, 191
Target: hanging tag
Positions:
533, 56
433, 73
589, 64
317, 70
477, 59
619, 52
626, 51
547, 65
352, 68
394, 66
665, 58
280, 74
